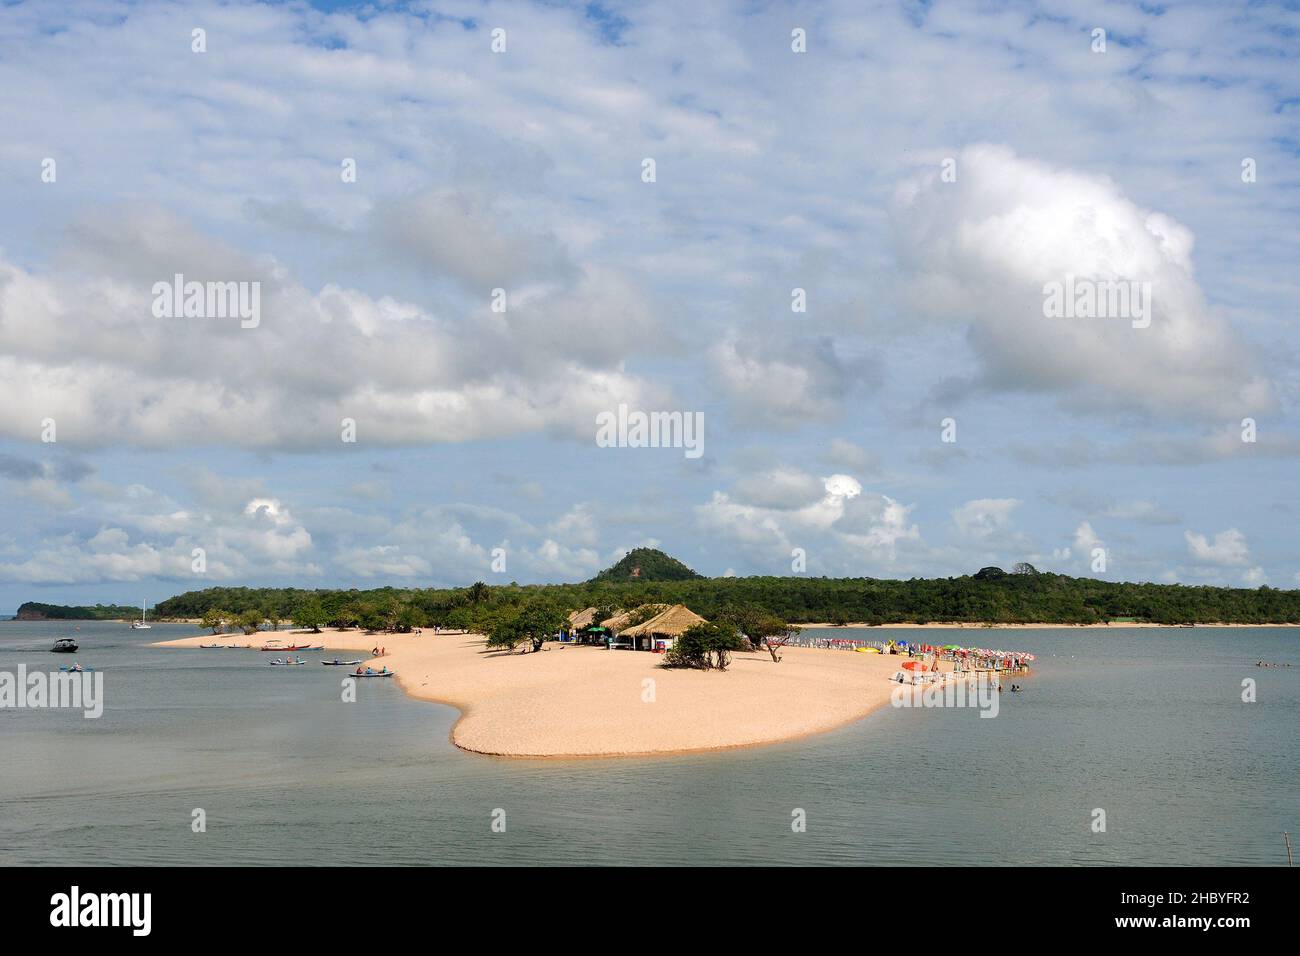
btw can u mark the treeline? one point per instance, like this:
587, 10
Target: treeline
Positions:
997, 598
35, 611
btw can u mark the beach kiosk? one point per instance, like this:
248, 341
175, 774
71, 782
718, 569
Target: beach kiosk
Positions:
659, 633
579, 621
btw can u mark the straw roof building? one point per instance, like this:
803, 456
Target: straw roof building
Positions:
620, 621
663, 628
584, 618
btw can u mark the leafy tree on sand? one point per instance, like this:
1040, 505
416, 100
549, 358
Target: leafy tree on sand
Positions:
390, 613
763, 629
309, 614
458, 619
533, 624
409, 618
372, 617
215, 618
706, 646
250, 621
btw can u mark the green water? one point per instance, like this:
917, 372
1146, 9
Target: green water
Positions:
1148, 725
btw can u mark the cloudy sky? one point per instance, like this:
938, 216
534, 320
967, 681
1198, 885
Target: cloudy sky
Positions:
920, 171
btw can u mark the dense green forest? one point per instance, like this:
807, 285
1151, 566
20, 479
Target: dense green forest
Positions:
992, 595
35, 611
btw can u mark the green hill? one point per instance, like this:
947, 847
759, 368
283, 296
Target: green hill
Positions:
647, 564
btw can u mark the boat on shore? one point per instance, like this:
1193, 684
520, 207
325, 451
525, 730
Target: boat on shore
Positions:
64, 645
285, 649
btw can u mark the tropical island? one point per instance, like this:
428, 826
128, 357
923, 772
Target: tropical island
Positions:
36, 611
536, 671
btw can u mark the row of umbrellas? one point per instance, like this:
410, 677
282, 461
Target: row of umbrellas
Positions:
985, 652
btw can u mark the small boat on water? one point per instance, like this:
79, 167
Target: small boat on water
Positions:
64, 645
287, 663
338, 663
371, 672
141, 625
77, 669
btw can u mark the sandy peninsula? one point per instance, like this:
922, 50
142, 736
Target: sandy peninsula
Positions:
570, 701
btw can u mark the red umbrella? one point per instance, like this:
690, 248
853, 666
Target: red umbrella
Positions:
913, 665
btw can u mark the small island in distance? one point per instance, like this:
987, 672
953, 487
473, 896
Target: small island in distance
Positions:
991, 596
36, 611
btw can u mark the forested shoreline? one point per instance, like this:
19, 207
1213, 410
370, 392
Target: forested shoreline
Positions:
36, 611
991, 596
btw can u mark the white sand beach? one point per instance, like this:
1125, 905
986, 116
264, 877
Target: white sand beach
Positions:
583, 701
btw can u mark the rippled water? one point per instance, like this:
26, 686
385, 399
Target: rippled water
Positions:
1148, 725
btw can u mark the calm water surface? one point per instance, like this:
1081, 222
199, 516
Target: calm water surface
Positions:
1147, 724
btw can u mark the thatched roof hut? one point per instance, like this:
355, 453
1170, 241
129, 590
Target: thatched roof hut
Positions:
668, 624
620, 621
584, 618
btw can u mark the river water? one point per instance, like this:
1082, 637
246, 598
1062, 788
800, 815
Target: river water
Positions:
1147, 725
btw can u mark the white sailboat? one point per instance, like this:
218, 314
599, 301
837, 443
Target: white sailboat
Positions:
140, 625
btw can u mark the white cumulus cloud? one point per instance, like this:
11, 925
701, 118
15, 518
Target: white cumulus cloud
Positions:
980, 251
1227, 547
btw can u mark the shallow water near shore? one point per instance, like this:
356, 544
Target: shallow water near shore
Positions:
1148, 725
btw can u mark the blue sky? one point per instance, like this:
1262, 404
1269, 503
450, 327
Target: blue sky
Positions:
522, 170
